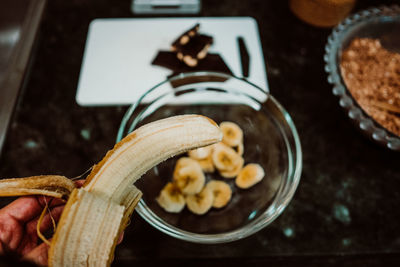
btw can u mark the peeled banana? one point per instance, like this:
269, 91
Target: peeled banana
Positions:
97, 213
222, 193
200, 203
250, 175
146, 147
87, 231
171, 198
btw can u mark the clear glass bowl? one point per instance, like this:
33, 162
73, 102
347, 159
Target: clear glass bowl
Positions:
270, 139
381, 23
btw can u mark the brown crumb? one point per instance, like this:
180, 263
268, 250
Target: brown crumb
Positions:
372, 75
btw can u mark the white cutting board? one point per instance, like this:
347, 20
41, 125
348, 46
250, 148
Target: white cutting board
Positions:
116, 67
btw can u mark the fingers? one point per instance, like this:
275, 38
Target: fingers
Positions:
11, 233
38, 255
23, 209
120, 238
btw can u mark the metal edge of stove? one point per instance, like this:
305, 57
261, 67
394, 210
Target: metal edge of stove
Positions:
16, 70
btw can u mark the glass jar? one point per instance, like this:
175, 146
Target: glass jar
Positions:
321, 13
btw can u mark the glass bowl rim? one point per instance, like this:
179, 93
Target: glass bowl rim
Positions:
243, 231
365, 123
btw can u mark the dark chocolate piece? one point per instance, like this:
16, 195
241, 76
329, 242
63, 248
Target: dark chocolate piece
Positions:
196, 45
195, 50
212, 62
184, 37
191, 47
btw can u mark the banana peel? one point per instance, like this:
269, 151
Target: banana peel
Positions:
47, 185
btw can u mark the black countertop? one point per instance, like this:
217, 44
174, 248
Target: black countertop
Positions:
346, 207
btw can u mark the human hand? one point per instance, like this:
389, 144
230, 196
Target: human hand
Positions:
18, 222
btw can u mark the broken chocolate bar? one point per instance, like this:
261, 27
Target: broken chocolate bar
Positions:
212, 62
184, 38
195, 50
191, 46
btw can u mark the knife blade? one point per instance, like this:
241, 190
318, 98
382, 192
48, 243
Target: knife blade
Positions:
244, 56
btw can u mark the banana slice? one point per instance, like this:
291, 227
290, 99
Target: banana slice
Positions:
201, 152
182, 162
250, 175
207, 164
222, 193
225, 158
233, 135
189, 176
171, 198
201, 202
233, 173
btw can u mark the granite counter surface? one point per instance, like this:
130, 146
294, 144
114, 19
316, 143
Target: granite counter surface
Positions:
346, 206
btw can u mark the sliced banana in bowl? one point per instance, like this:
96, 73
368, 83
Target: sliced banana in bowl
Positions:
222, 193
207, 164
250, 175
189, 176
233, 134
225, 158
171, 198
201, 152
200, 203
235, 171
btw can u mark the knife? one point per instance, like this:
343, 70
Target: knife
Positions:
244, 56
